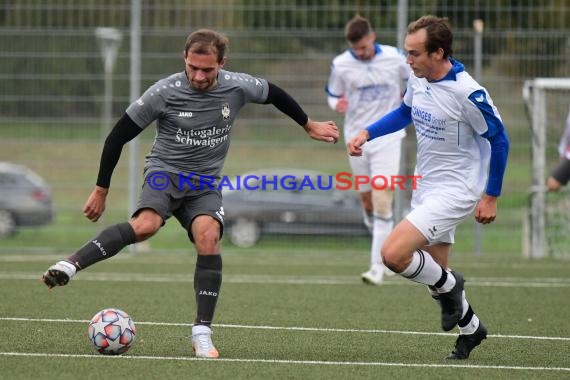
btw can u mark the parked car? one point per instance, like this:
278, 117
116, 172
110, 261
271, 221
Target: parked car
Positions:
272, 201
25, 199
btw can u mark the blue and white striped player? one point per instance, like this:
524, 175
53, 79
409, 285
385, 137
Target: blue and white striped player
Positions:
194, 112
462, 150
365, 83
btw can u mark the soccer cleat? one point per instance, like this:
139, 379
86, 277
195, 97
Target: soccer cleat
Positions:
202, 342
452, 303
374, 275
466, 343
59, 274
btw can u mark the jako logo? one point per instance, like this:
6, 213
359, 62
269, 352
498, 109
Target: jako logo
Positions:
100, 246
207, 293
185, 114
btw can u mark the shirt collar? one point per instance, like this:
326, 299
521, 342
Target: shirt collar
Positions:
377, 50
456, 68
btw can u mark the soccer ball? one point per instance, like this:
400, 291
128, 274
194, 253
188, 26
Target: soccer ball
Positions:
111, 331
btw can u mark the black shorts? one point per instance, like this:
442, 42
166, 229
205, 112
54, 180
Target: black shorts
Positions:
562, 171
161, 192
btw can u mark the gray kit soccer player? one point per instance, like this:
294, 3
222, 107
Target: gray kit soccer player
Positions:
195, 112
460, 136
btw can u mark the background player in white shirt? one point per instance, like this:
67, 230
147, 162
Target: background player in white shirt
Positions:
460, 136
365, 83
561, 173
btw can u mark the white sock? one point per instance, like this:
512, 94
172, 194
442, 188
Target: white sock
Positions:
471, 327
425, 270
368, 220
381, 230
473, 324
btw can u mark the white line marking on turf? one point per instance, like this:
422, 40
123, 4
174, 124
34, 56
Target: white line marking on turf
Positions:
291, 328
260, 259
276, 361
290, 279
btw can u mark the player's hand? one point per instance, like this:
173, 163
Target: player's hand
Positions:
95, 204
322, 130
486, 210
342, 105
354, 146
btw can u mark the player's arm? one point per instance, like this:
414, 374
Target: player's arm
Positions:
559, 176
323, 131
496, 134
337, 103
124, 131
392, 122
335, 92
486, 210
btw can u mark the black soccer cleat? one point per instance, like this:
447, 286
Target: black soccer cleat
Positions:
54, 277
452, 303
466, 343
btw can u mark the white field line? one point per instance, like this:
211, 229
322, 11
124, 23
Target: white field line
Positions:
275, 361
523, 282
335, 261
291, 328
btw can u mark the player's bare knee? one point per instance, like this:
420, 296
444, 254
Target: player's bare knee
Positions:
144, 229
145, 224
205, 233
382, 203
393, 257
207, 241
389, 259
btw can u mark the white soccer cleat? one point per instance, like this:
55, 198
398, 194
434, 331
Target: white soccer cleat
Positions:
59, 274
202, 342
374, 276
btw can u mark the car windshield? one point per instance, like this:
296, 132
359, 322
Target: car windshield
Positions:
19, 174
35, 179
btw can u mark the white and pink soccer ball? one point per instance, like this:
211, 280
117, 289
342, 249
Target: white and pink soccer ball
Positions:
111, 331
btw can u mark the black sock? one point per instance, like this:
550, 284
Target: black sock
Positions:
207, 283
107, 244
467, 318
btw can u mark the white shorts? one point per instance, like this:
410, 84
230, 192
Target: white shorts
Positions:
437, 215
380, 157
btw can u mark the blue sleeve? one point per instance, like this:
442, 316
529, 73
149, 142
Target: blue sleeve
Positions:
391, 122
499, 153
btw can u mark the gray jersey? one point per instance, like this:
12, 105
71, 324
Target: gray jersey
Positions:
193, 127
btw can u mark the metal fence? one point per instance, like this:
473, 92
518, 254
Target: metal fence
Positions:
53, 86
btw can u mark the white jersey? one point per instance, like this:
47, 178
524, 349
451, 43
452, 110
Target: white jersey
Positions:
449, 116
564, 146
372, 88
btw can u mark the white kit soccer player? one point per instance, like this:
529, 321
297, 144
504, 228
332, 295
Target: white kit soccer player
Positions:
371, 88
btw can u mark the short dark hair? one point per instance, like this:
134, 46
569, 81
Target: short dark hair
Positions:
204, 41
439, 34
357, 28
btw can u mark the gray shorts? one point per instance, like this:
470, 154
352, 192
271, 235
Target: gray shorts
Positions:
161, 192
